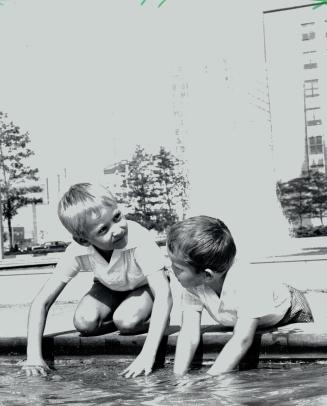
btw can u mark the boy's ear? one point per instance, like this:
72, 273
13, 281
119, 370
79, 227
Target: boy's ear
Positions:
209, 274
81, 241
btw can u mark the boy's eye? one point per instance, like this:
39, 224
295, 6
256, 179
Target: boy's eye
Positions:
117, 217
176, 270
102, 230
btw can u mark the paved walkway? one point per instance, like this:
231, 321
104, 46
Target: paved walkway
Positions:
19, 283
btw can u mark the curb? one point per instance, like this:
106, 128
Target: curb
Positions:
268, 345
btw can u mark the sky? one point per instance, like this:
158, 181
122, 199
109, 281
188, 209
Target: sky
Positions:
90, 80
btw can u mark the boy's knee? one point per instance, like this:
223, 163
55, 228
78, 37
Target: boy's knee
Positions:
86, 322
127, 323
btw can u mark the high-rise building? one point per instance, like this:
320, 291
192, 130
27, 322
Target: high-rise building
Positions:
314, 52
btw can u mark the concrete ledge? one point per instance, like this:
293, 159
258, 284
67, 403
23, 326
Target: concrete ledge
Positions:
30, 261
292, 342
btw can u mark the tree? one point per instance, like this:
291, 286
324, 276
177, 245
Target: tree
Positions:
318, 188
156, 188
295, 198
18, 179
140, 195
171, 186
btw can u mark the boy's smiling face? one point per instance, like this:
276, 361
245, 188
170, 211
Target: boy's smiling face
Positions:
106, 229
186, 274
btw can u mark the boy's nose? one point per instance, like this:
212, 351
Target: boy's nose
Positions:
116, 232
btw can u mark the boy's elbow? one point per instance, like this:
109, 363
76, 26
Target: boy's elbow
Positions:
169, 299
244, 332
247, 342
39, 304
244, 342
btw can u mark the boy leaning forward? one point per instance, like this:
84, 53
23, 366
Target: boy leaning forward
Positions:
203, 256
130, 289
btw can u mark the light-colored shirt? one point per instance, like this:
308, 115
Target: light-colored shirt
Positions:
128, 267
246, 292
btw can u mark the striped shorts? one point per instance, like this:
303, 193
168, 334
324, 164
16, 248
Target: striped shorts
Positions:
299, 311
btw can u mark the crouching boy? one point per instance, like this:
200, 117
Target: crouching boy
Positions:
129, 280
202, 252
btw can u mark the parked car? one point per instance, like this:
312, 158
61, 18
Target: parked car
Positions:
313, 231
36, 248
48, 247
55, 245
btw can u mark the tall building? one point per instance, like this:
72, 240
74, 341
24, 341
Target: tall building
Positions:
314, 52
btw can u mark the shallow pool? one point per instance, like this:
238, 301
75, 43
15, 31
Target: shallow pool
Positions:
95, 381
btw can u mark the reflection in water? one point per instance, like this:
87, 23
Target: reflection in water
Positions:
98, 383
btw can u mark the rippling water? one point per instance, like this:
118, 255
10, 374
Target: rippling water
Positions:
90, 382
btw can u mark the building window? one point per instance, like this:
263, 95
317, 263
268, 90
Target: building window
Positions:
307, 36
311, 118
311, 88
315, 145
306, 24
309, 60
310, 65
313, 122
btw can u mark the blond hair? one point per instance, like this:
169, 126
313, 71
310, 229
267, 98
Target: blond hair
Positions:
80, 201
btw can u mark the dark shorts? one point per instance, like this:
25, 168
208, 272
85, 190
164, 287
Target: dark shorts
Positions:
299, 311
121, 295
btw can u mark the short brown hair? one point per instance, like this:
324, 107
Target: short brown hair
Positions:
203, 242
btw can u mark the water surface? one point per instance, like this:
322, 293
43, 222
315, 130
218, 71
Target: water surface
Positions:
96, 382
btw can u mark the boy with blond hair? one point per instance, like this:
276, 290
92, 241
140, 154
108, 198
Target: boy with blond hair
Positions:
202, 252
129, 286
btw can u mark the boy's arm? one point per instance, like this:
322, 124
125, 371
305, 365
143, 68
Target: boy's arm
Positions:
237, 346
188, 340
65, 270
162, 305
34, 364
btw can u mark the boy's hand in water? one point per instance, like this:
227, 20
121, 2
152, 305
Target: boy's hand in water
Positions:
35, 368
142, 363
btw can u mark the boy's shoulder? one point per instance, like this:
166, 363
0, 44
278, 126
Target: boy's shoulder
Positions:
76, 250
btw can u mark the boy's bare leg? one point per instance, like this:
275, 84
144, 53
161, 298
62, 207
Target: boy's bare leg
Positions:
132, 315
93, 315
